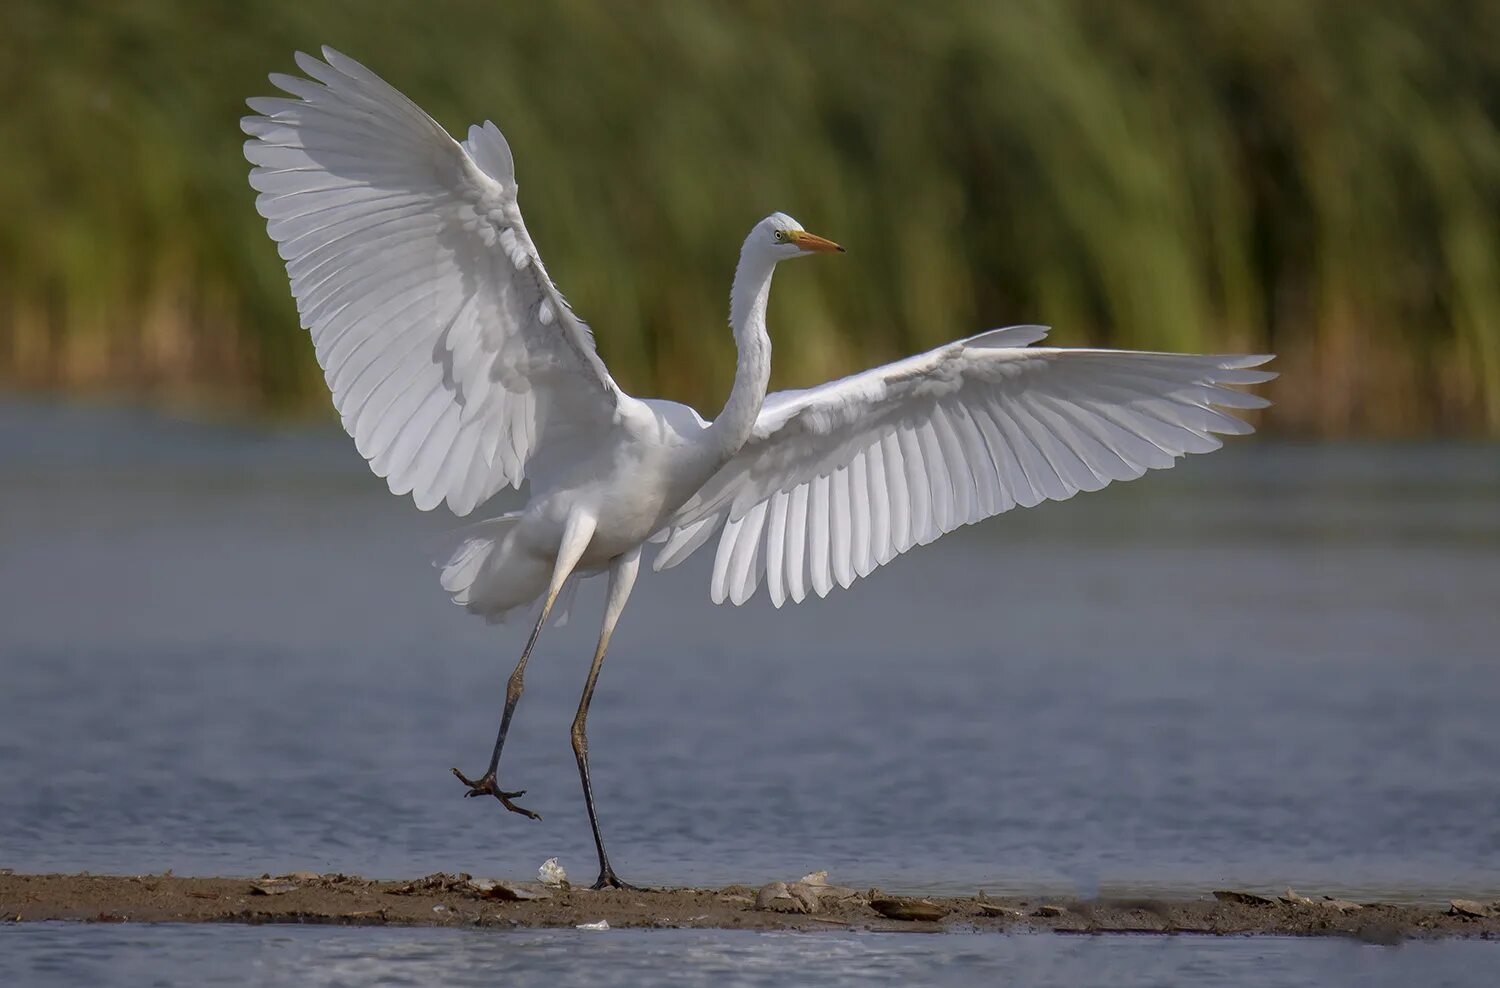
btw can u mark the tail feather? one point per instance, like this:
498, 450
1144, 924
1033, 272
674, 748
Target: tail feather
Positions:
485, 572
460, 554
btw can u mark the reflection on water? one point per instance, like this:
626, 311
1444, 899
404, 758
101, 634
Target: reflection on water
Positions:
223, 652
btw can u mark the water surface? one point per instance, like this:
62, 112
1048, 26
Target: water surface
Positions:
224, 652
205, 957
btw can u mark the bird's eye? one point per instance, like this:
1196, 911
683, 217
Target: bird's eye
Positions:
780, 236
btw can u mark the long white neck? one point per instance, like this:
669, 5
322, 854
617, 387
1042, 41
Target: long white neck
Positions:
752, 373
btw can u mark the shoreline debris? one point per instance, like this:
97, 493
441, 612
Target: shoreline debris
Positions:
551, 873
910, 910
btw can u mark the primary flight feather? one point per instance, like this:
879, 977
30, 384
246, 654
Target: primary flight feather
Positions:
459, 369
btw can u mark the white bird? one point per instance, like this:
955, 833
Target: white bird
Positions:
459, 370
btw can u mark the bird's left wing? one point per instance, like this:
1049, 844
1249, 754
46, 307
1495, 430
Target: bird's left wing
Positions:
453, 360
838, 479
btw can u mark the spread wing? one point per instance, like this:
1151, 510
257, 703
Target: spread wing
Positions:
453, 360
839, 479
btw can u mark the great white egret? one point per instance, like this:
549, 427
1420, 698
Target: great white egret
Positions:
459, 370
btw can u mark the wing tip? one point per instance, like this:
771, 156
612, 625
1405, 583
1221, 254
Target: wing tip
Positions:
1008, 337
1247, 361
309, 63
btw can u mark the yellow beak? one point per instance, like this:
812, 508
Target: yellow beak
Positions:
813, 242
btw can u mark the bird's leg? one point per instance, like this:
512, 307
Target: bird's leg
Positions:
622, 575
486, 784
576, 535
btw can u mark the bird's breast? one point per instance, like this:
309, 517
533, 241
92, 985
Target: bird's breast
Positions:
649, 486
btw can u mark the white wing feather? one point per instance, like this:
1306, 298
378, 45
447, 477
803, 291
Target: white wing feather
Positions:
839, 479
453, 360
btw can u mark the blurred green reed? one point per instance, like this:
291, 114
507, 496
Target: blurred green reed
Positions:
1321, 179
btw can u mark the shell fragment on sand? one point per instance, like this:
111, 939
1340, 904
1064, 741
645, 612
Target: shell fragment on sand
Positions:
909, 910
1342, 905
551, 873
487, 888
806, 895
434, 883
787, 897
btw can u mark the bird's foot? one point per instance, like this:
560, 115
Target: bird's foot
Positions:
487, 787
609, 880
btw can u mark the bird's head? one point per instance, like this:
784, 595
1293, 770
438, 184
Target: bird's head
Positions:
780, 237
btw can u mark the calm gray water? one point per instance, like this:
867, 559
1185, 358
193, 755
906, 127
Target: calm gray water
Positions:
223, 652
312, 957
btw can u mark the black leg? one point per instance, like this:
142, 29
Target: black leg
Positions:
576, 535
486, 784
622, 579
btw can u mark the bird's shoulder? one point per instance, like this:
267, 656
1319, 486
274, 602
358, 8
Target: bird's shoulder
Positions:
661, 419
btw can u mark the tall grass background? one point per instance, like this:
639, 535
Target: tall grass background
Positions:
1320, 179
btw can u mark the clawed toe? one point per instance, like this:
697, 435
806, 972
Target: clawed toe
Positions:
608, 880
487, 786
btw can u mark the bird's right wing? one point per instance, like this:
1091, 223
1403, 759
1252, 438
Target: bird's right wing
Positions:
839, 479
453, 360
